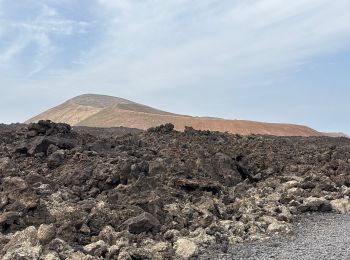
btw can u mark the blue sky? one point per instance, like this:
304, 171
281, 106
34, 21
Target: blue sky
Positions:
266, 60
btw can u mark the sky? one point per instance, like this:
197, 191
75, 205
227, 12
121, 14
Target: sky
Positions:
264, 60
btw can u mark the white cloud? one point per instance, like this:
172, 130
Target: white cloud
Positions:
40, 31
152, 46
164, 43
156, 44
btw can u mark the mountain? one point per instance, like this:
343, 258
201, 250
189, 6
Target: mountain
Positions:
106, 111
337, 135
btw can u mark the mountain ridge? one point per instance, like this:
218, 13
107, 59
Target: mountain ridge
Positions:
107, 111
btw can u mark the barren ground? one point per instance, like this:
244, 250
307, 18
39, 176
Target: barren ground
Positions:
161, 194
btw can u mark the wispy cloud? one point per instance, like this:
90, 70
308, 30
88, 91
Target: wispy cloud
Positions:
157, 44
149, 48
37, 36
164, 43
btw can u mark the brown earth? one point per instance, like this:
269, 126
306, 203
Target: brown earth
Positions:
105, 111
158, 194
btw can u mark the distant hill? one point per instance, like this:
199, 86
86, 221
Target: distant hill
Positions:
337, 135
106, 111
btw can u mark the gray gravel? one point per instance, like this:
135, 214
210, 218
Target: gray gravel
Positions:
316, 236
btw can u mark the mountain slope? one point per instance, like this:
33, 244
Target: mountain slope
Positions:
105, 111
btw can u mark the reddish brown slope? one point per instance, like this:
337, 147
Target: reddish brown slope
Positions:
105, 111
117, 117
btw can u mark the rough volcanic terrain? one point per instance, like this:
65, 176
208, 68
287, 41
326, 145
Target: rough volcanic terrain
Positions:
158, 194
105, 111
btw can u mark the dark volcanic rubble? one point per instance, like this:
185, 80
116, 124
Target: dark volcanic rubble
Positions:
158, 194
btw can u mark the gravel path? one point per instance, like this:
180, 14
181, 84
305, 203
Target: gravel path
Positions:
316, 236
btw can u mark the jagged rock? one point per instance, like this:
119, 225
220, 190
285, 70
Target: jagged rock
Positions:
3, 200
39, 145
117, 239
51, 256
79, 256
61, 247
46, 233
23, 245
233, 240
156, 167
185, 248
98, 248
166, 128
200, 237
161, 247
274, 225
341, 205
277, 227
124, 256
315, 204
46, 127
56, 159
285, 214
171, 234
14, 184
142, 223
23, 252
4, 162
85, 229
8, 219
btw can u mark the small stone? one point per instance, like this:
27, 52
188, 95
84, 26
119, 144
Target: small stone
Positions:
113, 252
121, 243
46, 233
341, 205
277, 227
124, 256
291, 184
60, 246
316, 204
79, 256
4, 162
308, 185
98, 248
285, 214
171, 234
294, 203
51, 149
142, 223
200, 236
51, 256
14, 183
85, 229
185, 248
7, 219
233, 240
108, 234
56, 159
161, 247
156, 167
3, 200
